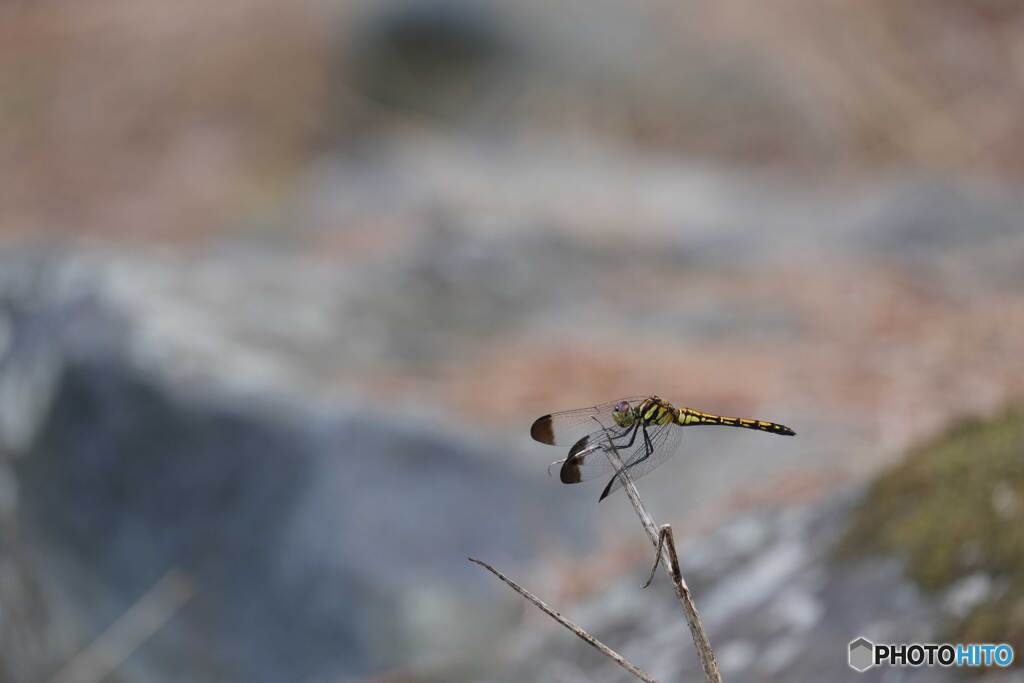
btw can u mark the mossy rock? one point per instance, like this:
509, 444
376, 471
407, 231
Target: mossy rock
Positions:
954, 508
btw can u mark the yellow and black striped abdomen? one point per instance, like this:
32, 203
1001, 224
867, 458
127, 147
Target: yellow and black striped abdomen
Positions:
689, 416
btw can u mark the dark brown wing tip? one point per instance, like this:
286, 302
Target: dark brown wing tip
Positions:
570, 472
607, 490
786, 431
542, 430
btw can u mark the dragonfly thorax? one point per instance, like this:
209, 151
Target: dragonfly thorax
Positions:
650, 411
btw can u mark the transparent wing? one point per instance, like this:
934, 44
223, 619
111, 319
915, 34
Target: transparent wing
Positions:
567, 427
588, 458
664, 445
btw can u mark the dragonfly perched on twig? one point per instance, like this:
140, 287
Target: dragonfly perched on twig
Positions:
645, 430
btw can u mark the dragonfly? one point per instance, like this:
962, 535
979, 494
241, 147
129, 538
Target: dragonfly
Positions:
644, 431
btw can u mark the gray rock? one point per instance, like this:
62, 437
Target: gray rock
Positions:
311, 531
781, 611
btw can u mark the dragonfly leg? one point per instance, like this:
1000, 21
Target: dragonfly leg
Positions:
631, 431
632, 436
648, 451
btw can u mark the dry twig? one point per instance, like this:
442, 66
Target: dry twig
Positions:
665, 531
591, 640
666, 550
122, 638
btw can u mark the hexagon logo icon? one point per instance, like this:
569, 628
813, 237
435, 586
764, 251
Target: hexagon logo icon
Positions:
862, 654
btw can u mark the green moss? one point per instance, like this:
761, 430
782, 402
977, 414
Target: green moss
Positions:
952, 508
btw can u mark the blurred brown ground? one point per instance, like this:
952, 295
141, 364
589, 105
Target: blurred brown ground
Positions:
147, 121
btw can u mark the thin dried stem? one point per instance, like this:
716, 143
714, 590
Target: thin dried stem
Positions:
591, 640
140, 621
665, 530
667, 558
670, 541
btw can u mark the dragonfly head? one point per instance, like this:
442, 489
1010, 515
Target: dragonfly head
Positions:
623, 414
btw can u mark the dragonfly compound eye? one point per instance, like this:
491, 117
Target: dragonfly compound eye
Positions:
622, 414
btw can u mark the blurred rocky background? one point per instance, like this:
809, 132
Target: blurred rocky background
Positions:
282, 286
